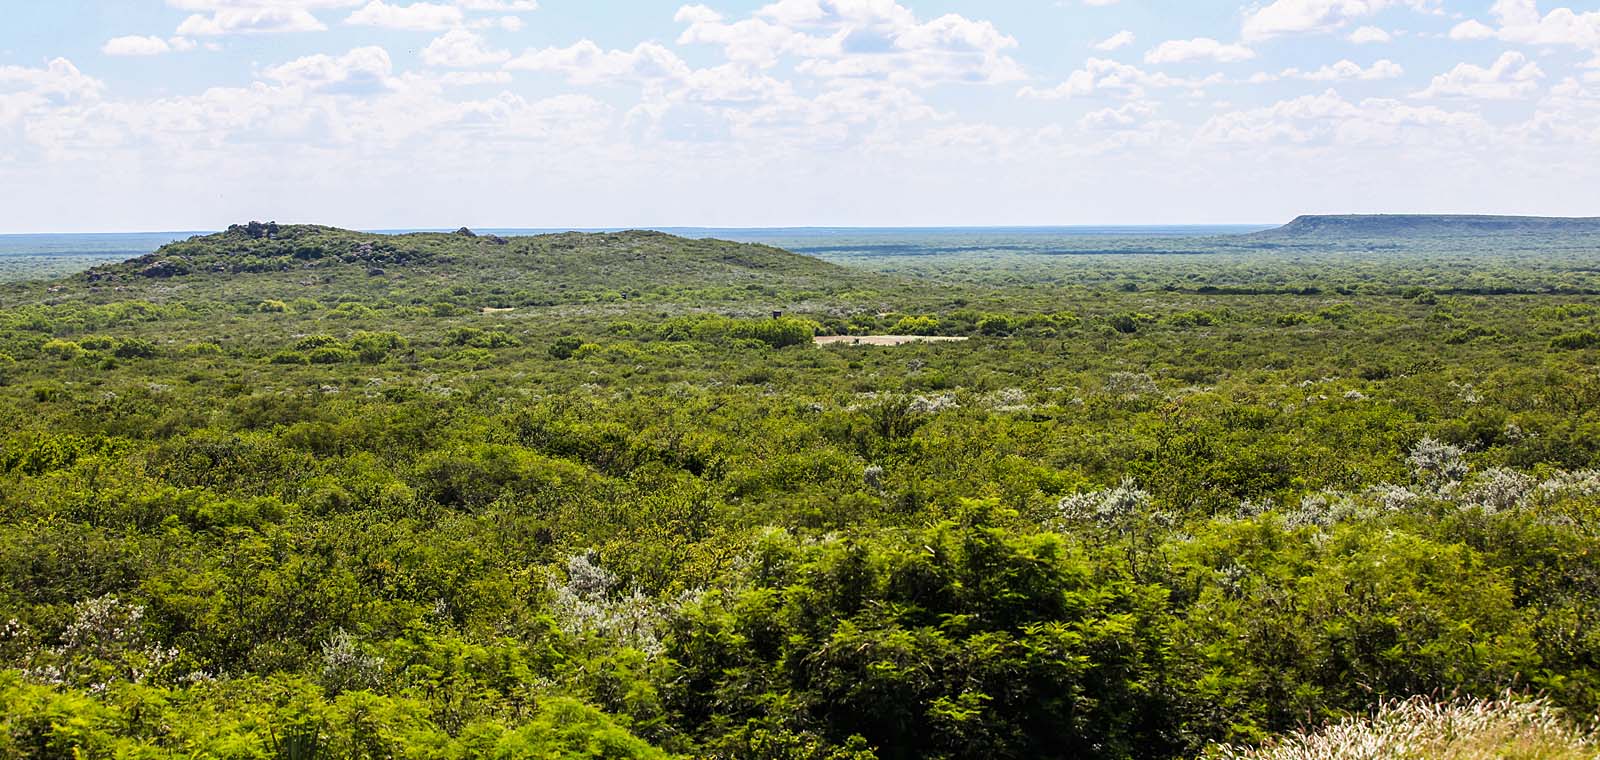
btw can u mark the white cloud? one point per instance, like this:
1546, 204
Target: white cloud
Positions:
586, 63
469, 78
135, 45
462, 49
1296, 16
1100, 76
871, 39
27, 92
420, 17
754, 40
224, 5
1472, 29
1344, 70
1569, 116
363, 71
500, 6
221, 17
1367, 35
59, 79
1198, 49
1329, 119
508, 23
1520, 21
1116, 41
250, 20
1124, 117
1511, 76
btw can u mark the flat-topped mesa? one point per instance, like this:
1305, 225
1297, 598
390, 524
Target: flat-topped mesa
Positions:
1417, 225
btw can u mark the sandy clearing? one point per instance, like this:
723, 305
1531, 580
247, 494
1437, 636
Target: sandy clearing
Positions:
883, 340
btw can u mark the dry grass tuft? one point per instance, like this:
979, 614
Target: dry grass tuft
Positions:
1423, 729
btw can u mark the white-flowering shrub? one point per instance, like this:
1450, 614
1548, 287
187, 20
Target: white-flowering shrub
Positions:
590, 603
1466, 393
1107, 507
1422, 729
1437, 462
1118, 508
872, 475
1500, 490
1579, 484
1250, 508
106, 641
934, 404
1393, 498
585, 576
17, 642
346, 667
1233, 579
1332, 507
1130, 385
1008, 400
1320, 510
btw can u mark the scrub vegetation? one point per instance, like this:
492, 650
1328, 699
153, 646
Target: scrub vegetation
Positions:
299, 492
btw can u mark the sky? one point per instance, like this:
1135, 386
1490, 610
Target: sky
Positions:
121, 115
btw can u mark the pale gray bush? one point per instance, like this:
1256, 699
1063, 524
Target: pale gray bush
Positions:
591, 602
346, 667
1422, 729
1436, 462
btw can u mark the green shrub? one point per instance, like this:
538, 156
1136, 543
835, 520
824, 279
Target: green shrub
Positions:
918, 325
1292, 319
289, 357
778, 333
477, 338
62, 349
320, 340
565, 347
135, 348
996, 324
332, 355
1576, 341
352, 310
374, 347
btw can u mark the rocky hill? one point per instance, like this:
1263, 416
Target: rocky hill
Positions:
267, 258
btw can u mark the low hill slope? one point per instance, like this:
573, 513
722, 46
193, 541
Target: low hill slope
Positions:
543, 269
1430, 225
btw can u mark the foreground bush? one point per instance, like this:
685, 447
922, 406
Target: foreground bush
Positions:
287, 717
1422, 729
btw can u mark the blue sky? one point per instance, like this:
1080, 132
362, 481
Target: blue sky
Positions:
191, 114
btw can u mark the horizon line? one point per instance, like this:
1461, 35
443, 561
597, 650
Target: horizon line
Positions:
664, 228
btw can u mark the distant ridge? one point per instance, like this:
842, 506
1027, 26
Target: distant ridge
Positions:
1417, 225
